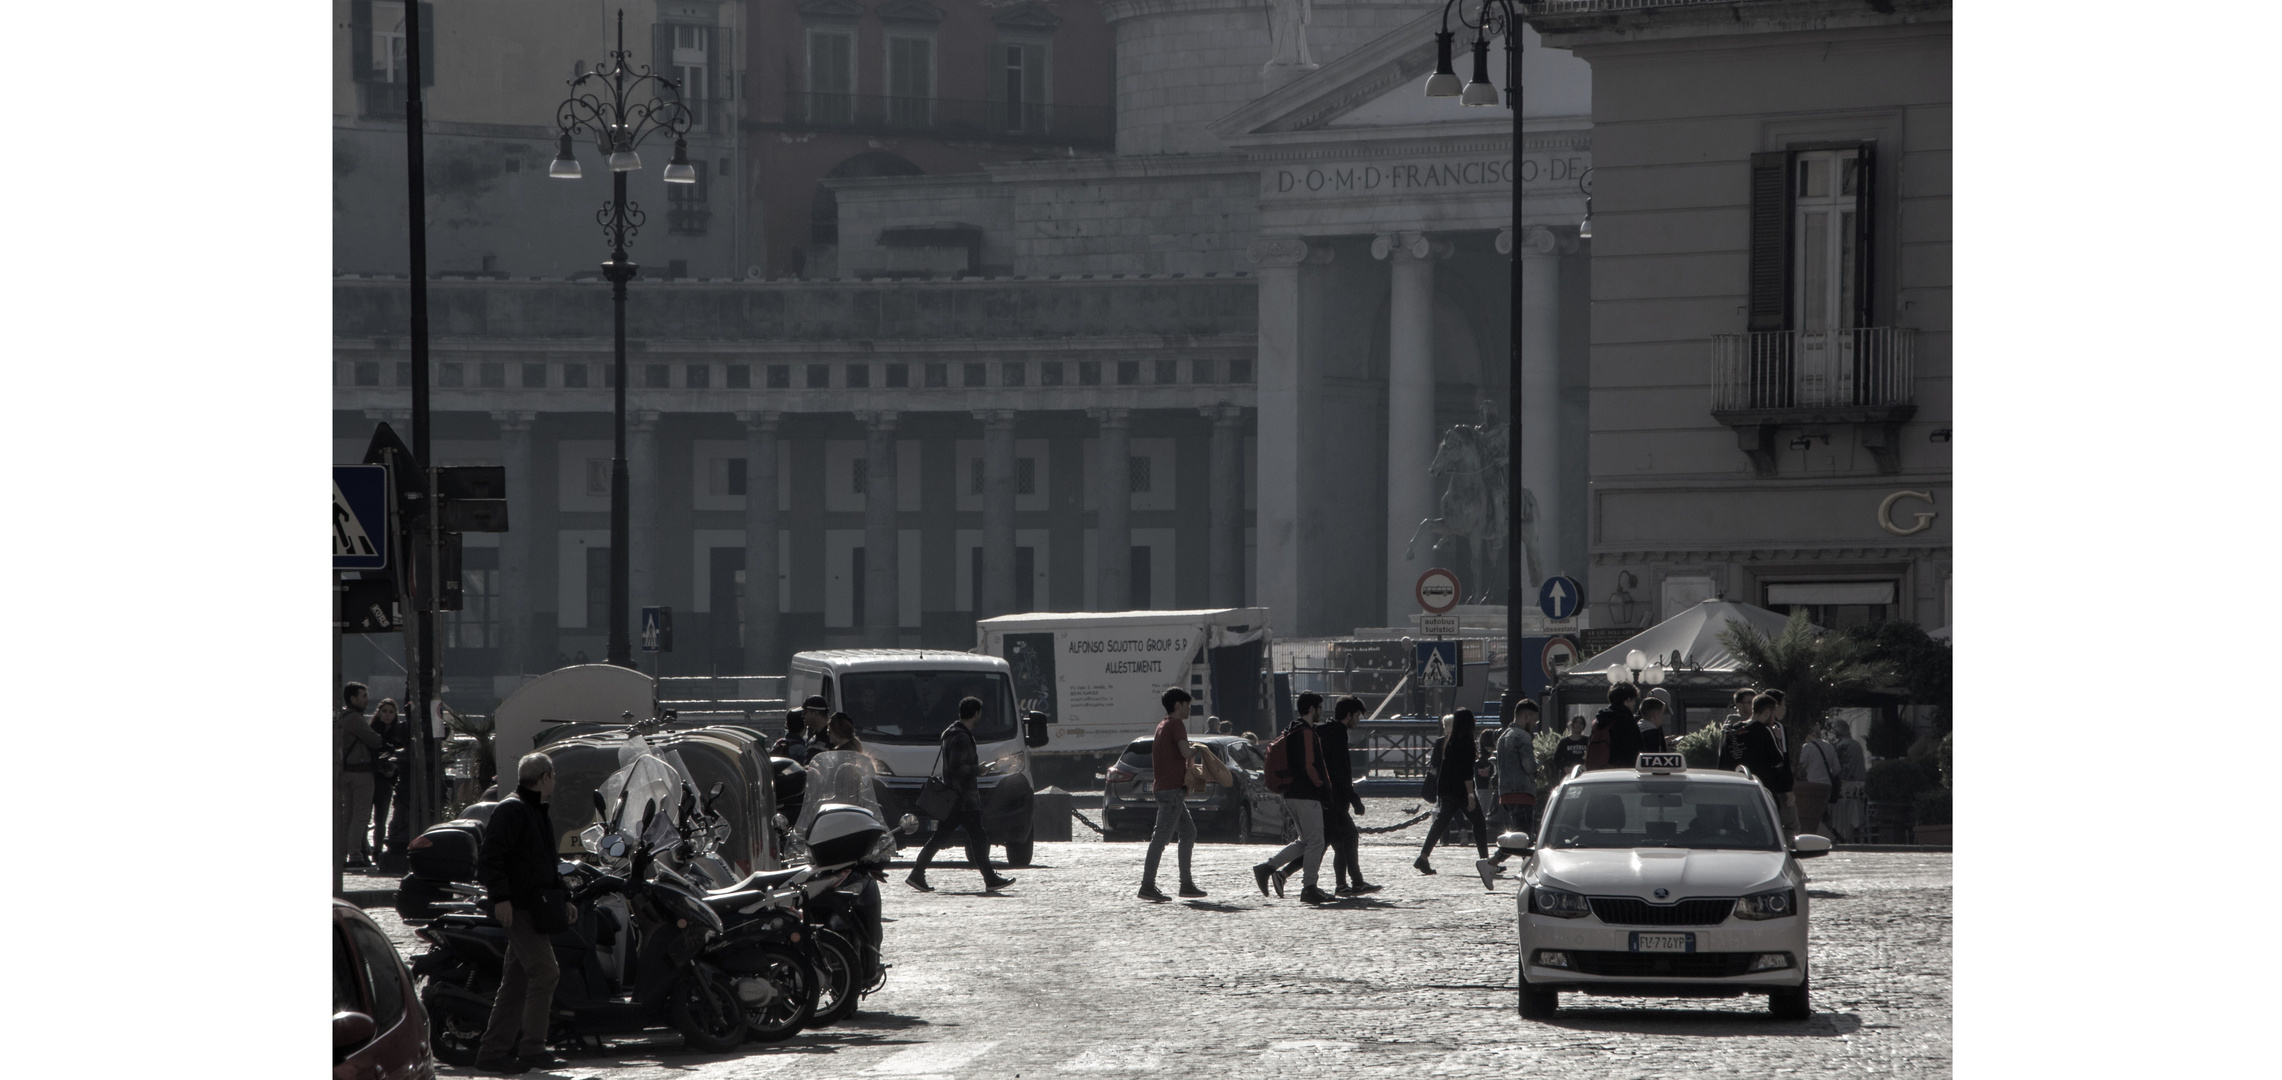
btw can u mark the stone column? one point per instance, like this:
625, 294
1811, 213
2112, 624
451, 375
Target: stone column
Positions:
515, 579
1224, 530
761, 648
996, 591
1113, 521
1276, 562
1410, 408
642, 513
1540, 428
880, 564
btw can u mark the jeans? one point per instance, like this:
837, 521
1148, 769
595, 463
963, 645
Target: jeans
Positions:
1173, 822
968, 819
1346, 844
1444, 811
526, 992
1308, 814
352, 815
1811, 798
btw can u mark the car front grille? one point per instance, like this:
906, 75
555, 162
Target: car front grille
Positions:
1631, 965
1632, 911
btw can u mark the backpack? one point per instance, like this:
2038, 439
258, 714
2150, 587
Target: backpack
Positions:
1279, 752
1596, 750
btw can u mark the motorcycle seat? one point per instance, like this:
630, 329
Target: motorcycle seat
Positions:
759, 879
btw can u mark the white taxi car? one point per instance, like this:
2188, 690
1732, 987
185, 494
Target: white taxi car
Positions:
1662, 881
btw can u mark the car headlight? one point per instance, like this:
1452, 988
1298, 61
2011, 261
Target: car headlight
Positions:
1012, 763
1558, 903
1772, 904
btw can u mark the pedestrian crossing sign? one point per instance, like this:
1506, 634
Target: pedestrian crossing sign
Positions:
360, 517
1438, 666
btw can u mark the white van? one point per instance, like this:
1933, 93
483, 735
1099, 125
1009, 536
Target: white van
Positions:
902, 699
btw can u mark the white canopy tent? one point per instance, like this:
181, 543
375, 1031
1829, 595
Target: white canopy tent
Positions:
1688, 640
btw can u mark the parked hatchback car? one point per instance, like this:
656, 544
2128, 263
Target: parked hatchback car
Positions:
1663, 881
1240, 813
380, 1030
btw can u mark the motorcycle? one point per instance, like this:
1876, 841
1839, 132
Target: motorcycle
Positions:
845, 836
640, 955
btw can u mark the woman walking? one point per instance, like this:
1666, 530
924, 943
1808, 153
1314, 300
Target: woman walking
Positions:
1454, 759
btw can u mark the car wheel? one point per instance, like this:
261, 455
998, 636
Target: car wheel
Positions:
1242, 833
839, 988
1018, 852
1535, 1004
1791, 1003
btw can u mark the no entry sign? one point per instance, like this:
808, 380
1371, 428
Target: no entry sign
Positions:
1437, 591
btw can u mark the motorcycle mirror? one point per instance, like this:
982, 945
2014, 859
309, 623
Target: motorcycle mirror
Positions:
649, 814
782, 823
601, 806
712, 796
909, 824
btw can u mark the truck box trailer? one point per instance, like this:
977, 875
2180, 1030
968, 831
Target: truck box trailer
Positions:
1098, 675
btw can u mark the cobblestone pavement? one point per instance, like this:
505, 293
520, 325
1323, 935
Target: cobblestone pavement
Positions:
1067, 974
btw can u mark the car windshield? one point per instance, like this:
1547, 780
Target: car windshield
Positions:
1140, 754
915, 706
1661, 813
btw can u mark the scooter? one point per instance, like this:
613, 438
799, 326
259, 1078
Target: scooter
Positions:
639, 963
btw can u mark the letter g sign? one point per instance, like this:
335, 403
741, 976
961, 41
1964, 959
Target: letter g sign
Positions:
1924, 517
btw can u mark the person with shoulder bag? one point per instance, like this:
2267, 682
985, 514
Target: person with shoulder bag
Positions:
960, 770
1454, 794
516, 867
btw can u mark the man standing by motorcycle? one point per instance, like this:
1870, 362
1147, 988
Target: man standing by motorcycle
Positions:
961, 768
517, 871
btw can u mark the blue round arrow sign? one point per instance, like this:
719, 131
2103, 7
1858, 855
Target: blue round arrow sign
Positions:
1560, 597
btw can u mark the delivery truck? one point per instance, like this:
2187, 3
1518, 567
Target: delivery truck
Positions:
1097, 676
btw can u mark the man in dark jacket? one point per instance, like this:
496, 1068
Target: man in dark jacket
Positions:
1652, 725
961, 770
805, 738
1310, 789
517, 871
1751, 744
1621, 728
1338, 828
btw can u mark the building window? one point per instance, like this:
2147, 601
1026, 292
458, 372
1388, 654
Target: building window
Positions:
1089, 373
899, 375
691, 49
831, 75
1824, 239
377, 61
1200, 371
451, 375
698, 376
780, 376
1049, 373
1137, 473
819, 376
740, 377
686, 211
657, 376
1026, 476
1010, 373
1240, 370
725, 476
938, 375
1168, 372
859, 376
1836, 605
975, 476
534, 376
367, 373
860, 477
910, 81
574, 376
1128, 372
476, 624
978, 374
1020, 82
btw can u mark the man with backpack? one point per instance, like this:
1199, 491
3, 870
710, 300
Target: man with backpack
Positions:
1338, 828
1296, 772
1616, 732
1169, 760
1751, 744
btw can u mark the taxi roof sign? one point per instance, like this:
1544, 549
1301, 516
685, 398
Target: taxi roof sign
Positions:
1655, 762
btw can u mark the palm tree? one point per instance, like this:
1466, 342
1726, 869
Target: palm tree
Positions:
1815, 671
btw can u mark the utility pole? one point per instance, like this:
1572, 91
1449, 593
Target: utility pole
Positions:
420, 769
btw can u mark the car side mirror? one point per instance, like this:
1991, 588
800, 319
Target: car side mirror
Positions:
1514, 843
351, 1030
1034, 729
1809, 845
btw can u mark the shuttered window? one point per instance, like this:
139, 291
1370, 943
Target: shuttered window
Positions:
689, 54
831, 76
910, 81
1016, 76
1811, 252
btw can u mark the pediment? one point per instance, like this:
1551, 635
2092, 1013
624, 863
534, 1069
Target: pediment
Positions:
1027, 17
910, 11
830, 9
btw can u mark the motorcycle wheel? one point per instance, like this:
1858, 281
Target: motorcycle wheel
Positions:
795, 1004
454, 1029
839, 983
705, 1009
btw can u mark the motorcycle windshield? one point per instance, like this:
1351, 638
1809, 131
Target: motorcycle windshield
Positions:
643, 778
840, 776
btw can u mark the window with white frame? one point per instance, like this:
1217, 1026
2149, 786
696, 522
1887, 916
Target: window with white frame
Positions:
692, 68
831, 75
1823, 229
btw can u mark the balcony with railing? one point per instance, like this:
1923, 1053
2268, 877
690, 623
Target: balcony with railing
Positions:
997, 121
1859, 375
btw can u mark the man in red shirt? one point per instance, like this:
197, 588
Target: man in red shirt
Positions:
1170, 758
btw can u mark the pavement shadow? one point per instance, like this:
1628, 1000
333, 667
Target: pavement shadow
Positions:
1212, 905
1708, 1023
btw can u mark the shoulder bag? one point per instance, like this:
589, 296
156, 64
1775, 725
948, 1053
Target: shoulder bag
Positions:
936, 799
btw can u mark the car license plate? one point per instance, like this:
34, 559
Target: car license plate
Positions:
1663, 942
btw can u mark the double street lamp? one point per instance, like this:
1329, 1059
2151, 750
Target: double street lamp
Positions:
1499, 18
618, 110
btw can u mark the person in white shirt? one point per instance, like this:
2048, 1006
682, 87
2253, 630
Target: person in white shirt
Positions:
1818, 775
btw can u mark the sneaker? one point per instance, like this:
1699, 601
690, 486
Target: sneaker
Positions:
542, 1060
1344, 890
1260, 874
1365, 889
502, 1066
1189, 890
919, 882
1489, 869
1423, 868
993, 884
1316, 896
1150, 893
1277, 879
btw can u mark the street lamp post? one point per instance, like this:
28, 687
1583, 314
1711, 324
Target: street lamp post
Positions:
1638, 670
610, 113
1499, 18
